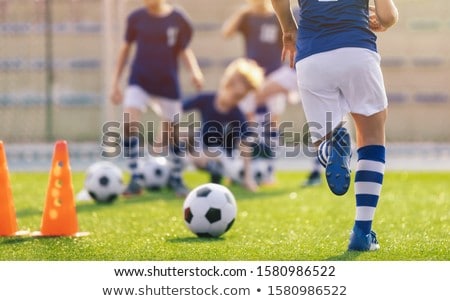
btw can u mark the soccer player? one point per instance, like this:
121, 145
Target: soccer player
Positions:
258, 25
335, 54
162, 34
224, 127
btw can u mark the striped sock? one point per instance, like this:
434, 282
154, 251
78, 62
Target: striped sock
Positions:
131, 152
176, 157
368, 183
323, 152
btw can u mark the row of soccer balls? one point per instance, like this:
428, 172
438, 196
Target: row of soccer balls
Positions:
209, 210
104, 179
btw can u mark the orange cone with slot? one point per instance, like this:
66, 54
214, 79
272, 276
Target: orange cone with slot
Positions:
60, 217
8, 222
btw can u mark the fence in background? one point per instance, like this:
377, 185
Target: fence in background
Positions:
57, 58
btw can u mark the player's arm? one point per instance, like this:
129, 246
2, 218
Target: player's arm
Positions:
191, 63
116, 93
386, 12
284, 13
232, 24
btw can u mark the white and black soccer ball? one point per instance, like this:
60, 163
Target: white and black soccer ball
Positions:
210, 210
104, 182
155, 173
262, 170
99, 164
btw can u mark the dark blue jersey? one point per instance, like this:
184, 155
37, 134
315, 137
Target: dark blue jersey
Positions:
328, 25
218, 129
159, 41
263, 40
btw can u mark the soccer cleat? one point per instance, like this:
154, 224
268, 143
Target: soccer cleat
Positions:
178, 186
313, 179
337, 170
363, 242
133, 189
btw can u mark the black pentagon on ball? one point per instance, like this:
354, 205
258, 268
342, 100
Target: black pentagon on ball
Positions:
188, 215
158, 172
204, 235
204, 192
109, 200
229, 225
104, 181
213, 215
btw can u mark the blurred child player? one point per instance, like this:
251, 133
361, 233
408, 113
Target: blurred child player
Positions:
257, 23
223, 125
162, 34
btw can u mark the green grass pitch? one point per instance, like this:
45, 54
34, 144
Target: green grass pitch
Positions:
283, 222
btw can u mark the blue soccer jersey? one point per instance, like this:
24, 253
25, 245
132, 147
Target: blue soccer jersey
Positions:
326, 25
263, 40
218, 129
159, 41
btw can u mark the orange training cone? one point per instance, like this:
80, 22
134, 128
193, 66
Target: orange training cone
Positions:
8, 222
60, 217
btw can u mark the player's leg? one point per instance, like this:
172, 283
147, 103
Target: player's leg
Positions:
370, 137
365, 92
324, 112
134, 104
210, 161
169, 111
269, 146
274, 94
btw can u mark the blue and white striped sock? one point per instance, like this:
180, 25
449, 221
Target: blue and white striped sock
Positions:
323, 152
368, 183
177, 159
131, 152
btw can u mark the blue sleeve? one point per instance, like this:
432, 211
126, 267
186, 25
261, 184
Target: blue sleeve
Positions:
130, 32
185, 34
195, 102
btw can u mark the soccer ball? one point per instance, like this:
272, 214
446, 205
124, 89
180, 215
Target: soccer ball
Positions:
99, 164
262, 170
155, 173
210, 210
104, 182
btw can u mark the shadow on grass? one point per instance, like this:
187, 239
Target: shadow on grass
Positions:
28, 212
183, 240
346, 256
14, 240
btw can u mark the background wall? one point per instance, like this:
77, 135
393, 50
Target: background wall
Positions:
80, 39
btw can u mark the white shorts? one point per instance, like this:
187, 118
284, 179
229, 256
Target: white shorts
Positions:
338, 82
276, 104
165, 108
283, 76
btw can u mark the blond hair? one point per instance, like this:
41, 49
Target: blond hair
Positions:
248, 69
